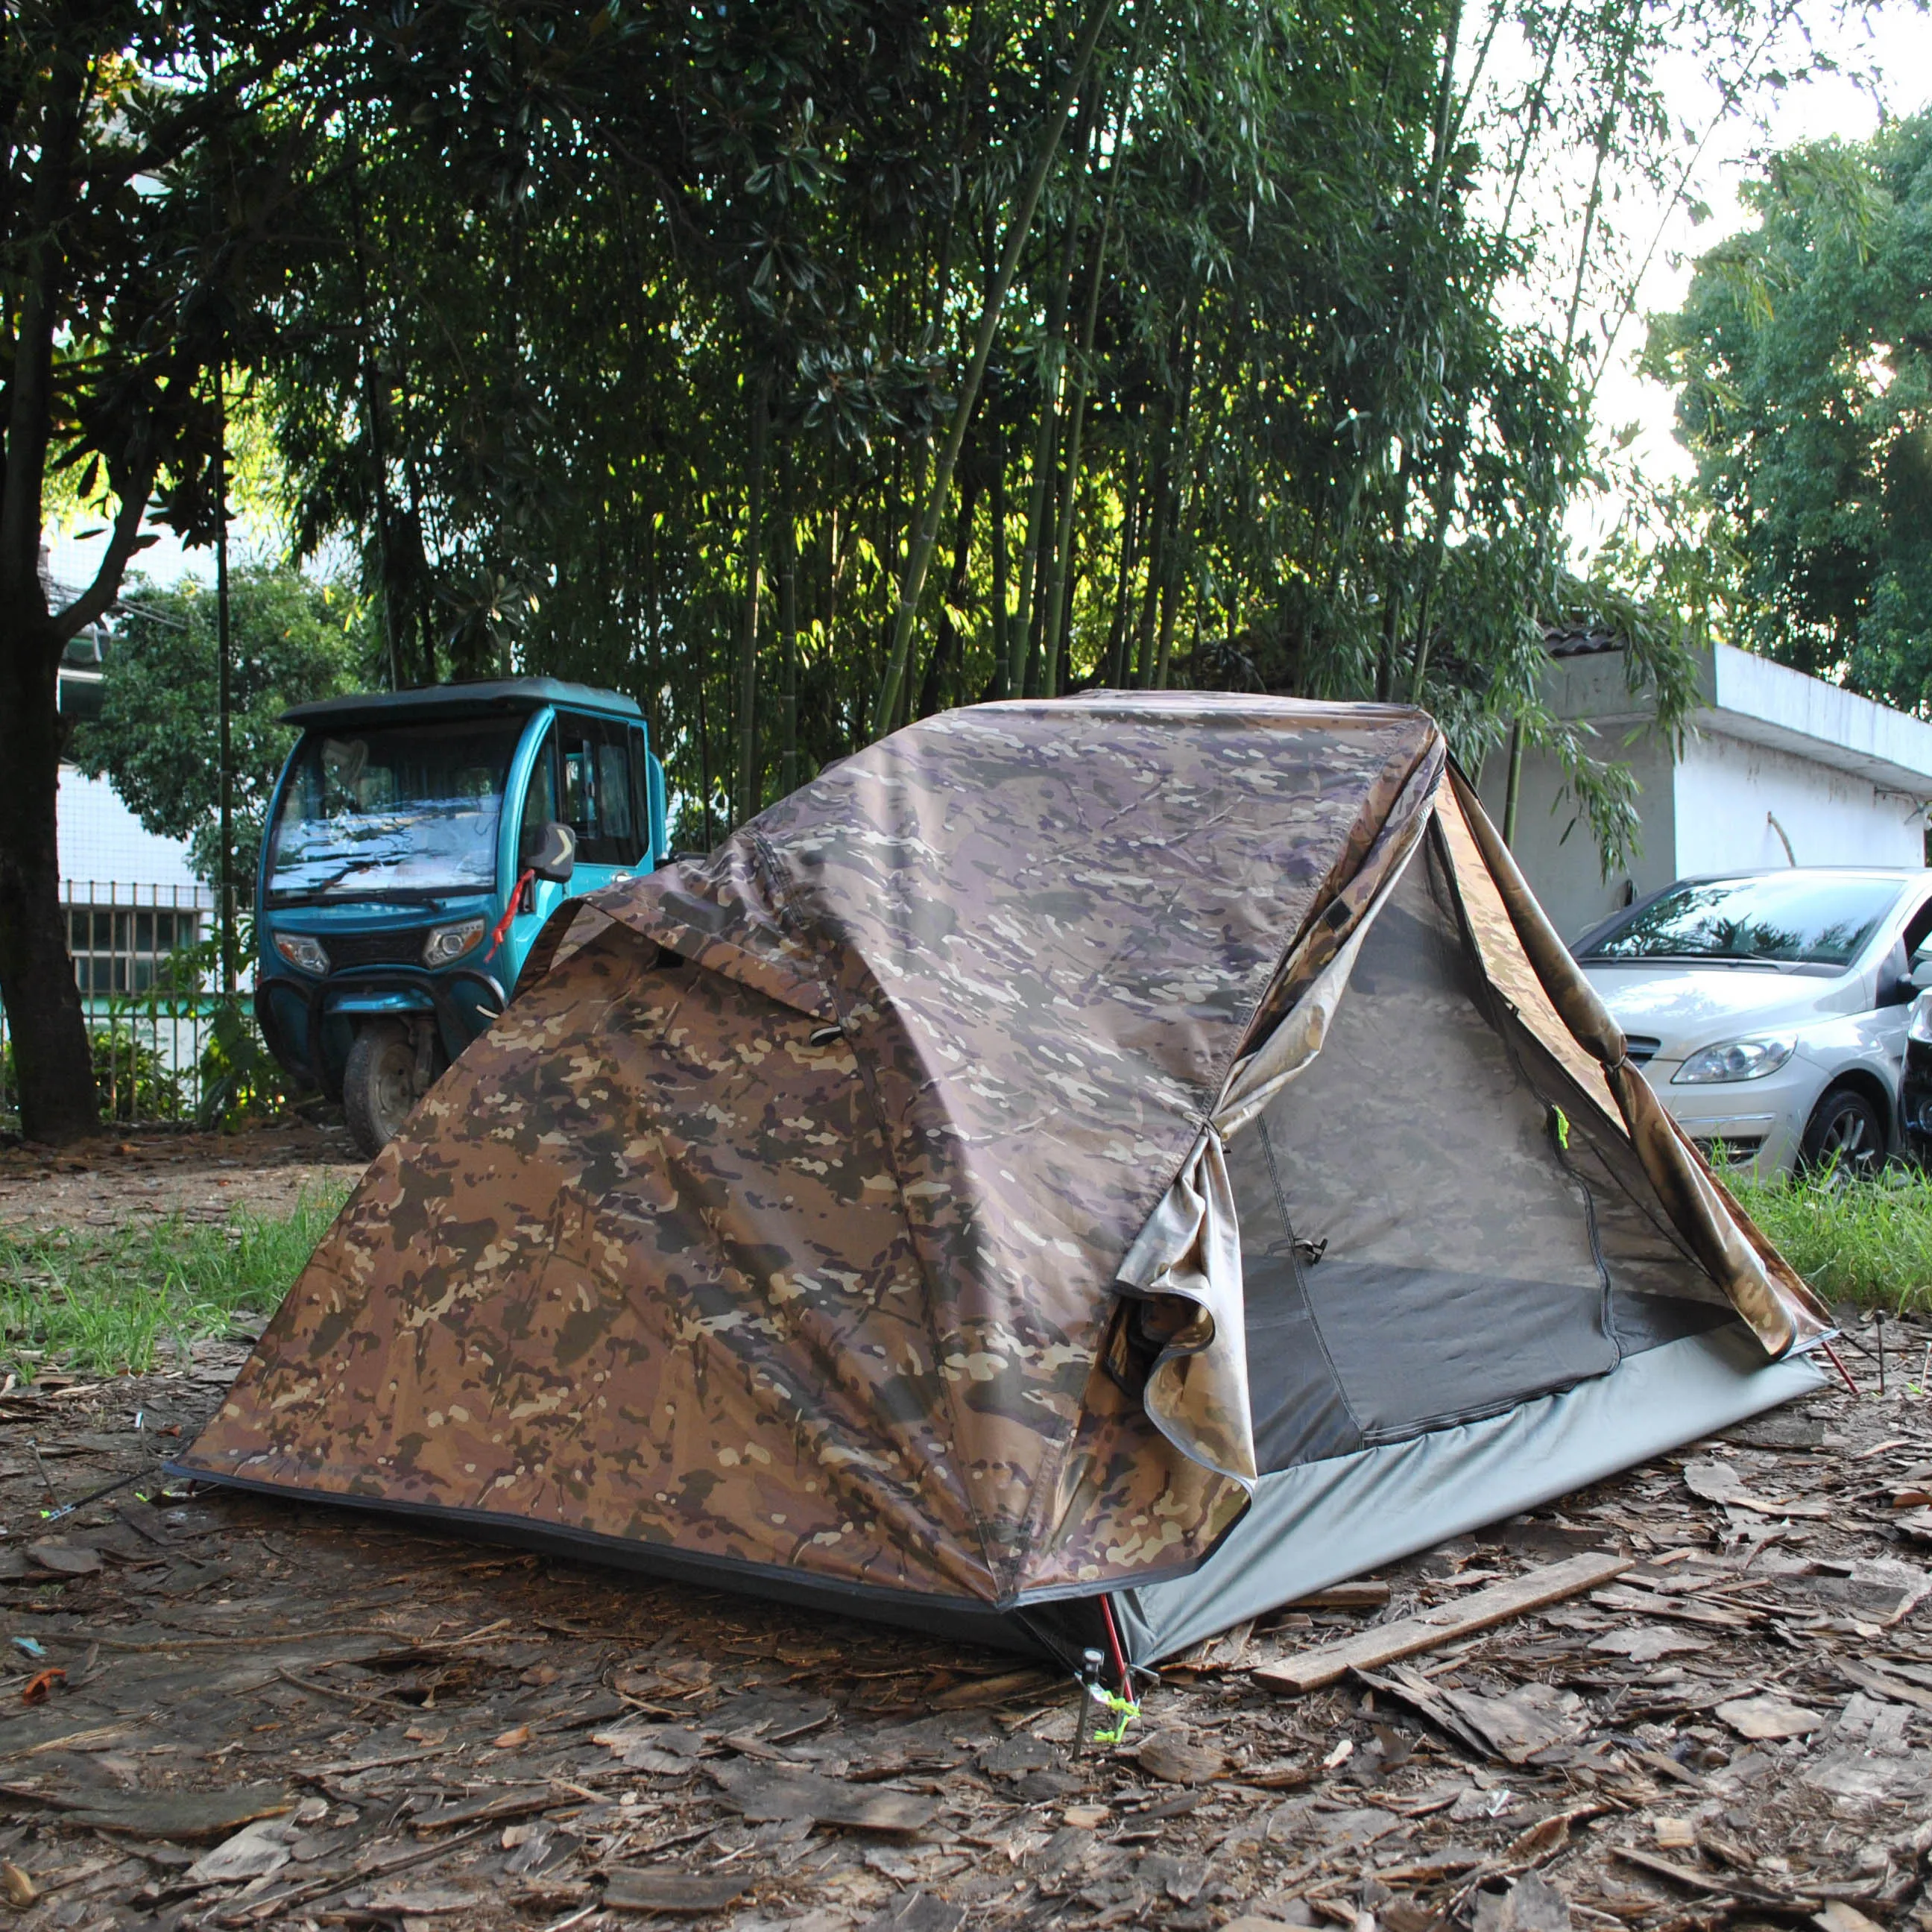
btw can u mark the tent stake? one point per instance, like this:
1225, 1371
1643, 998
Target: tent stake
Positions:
1843, 1372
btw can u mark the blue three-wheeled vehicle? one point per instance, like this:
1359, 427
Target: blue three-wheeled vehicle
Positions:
417, 842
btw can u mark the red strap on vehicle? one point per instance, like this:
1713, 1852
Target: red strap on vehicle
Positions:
502, 925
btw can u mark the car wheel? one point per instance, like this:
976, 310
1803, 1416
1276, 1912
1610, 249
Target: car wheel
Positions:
1844, 1136
378, 1085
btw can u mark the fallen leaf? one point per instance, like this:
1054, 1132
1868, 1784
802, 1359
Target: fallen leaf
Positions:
254, 1852
20, 1890
1176, 1760
514, 1739
918, 1911
184, 1816
63, 1559
1530, 1718
1647, 1645
760, 1795
1837, 1916
1714, 1482
37, 1686
1764, 1718
1532, 1904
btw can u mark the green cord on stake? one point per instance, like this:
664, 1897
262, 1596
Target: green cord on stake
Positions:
1125, 1711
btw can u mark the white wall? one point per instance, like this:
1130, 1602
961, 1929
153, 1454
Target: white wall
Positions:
1726, 787
1565, 872
101, 840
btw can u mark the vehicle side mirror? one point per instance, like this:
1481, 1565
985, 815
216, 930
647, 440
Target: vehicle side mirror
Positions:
550, 851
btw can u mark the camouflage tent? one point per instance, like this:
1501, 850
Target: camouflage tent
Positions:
1142, 1150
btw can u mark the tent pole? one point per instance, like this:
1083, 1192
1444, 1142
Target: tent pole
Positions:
1120, 1656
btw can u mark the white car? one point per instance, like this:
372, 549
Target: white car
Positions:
1769, 1010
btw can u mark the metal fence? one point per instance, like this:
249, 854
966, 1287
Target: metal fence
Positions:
144, 958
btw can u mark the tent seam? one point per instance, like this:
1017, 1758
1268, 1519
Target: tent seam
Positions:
779, 885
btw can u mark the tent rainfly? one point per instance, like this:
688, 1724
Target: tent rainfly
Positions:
1124, 1161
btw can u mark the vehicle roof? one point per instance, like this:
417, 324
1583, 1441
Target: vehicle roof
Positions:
434, 700
1901, 872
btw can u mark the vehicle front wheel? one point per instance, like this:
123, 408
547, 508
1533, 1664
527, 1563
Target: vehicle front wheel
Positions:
1845, 1136
379, 1084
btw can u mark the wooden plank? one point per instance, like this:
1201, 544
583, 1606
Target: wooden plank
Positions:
1328, 1662
1358, 1596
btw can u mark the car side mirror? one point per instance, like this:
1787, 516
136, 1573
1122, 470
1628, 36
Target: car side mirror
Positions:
550, 851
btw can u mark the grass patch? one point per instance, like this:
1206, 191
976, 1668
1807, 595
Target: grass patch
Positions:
1866, 1241
104, 1304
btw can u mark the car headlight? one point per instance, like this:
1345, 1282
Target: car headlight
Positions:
1921, 1029
1735, 1060
446, 943
302, 951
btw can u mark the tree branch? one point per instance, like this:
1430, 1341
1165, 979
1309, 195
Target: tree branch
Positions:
93, 603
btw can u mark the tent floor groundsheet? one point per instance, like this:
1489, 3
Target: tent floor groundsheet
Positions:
1323, 1522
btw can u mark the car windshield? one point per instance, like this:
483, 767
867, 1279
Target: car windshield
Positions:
397, 807
1809, 922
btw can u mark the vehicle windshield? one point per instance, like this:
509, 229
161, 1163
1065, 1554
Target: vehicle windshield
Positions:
1807, 922
412, 807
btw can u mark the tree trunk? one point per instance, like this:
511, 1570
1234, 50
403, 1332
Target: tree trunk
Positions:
1116, 635
1059, 662
1060, 579
945, 653
1002, 686
745, 805
704, 748
788, 622
47, 1029
46, 1025
1024, 670
1170, 588
919, 555
224, 683
1157, 519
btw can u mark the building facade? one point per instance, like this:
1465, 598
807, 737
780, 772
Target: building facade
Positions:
1776, 768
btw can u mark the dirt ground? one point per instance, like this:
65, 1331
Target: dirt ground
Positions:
152, 1174
274, 1715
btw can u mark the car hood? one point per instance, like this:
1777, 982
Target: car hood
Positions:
1686, 1007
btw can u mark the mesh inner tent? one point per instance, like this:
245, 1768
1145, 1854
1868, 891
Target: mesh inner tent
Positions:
1422, 1226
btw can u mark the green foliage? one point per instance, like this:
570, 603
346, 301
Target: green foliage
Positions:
633, 334
1804, 373
158, 736
131, 1077
240, 1080
1865, 1241
234, 1079
107, 1305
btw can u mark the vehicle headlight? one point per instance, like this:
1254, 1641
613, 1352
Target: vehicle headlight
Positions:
1921, 1029
446, 943
302, 951
1735, 1060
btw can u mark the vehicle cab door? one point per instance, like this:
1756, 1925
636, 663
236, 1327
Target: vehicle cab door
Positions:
603, 795
1905, 972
